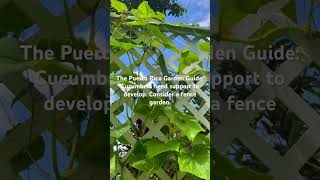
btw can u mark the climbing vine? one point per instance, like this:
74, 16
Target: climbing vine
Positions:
184, 151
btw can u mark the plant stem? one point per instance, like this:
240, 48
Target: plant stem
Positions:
54, 144
68, 19
73, 152
92, 44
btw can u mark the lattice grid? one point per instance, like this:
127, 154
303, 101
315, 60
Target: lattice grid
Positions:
288, 165
186, 39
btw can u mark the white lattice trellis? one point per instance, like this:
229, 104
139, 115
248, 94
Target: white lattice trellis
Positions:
189, 38
53, 27
281, 167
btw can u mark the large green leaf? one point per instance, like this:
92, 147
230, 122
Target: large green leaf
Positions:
114, 67
144, 11
139, 161
115, 81
93, 145
11, 56
9, 66
139, 153
239, 9
120, 131
201, 139
204, 46
145, 157
10, 48
290, 10
119, 6
186, 59
224, 168
156, 147
158, 43
28, 155
123, 45
196, 161
54, 68
264, 29
87, 6
13, 19
150, 165
186, 123
160, 16
155, 31
150, 112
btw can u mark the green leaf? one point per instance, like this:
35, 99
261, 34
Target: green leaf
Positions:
150, 165
144, 11
264, 29
114, 80
204, 47
119, 110
139, 22
181, 24
120, 131
201, 139
10, 48
138, 159
161, 38
142, 108
113, 170
114, 67
160, 16
195, 72
155, 31
225, 168
196, 161
272, 35
123, 45
11, 56
290, 10
21, 94
139, 153
54, 68
187, 58
187, 124
239, 9
13, 19
150, 112
9, 66
156, 147
156, 42
119, 6
92, 146
87, 6
29, 154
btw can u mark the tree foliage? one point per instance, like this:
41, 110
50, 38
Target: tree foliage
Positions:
169, 7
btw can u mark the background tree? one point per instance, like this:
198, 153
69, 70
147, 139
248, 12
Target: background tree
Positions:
169, 7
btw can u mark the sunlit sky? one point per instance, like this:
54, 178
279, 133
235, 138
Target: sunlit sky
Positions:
198, 12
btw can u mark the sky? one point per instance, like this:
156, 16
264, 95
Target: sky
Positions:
198, 12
